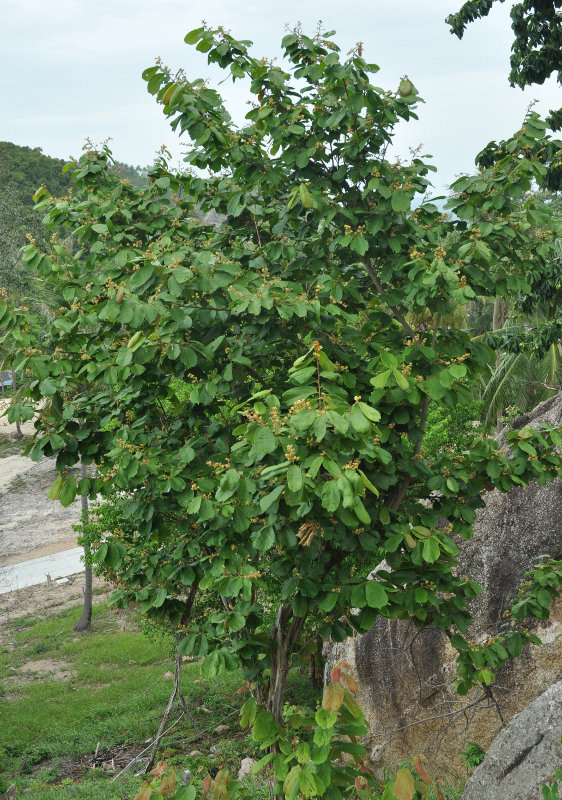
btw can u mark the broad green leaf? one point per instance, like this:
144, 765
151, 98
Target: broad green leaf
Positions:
431, 550
55, 488
294, 478
339, 423
359, 421
291, 783
68, 492
264, 441
375, 594
370, 412
47, 387
307, 784
305, 196
264, 539
269, 499
400, 201
264, 726
330, 496
379, 381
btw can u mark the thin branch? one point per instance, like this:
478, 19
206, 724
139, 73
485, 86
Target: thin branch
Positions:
380, 289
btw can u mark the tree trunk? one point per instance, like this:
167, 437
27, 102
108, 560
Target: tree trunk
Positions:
19, 433
497, 323
283, 635
86, 618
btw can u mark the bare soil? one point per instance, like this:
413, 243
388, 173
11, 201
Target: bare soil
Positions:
30, 524
43, 600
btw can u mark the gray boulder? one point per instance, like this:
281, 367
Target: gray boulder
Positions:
406, 675
524, 754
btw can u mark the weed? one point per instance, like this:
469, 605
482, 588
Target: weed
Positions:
473, 755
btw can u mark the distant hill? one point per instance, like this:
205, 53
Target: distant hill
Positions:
24, 169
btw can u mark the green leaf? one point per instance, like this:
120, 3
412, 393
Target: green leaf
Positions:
370, 412
193, 36
359, 421
305, 196
158, 601
291, 783
269, 499
339, 423
400, 201
375, 594
185, 793
367, 483
55, 488
47, 387
264, 726
294, 478
452, 484
307, 784
401, 379
264, 442
358, 598
431, 551
264, 539
263, 762
379, 381
330, 496
68, 492
328, 601
527, 448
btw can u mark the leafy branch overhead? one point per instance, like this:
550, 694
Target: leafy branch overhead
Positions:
536, 51
256, 392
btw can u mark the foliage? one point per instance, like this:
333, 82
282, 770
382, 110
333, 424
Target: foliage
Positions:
297, 455
473, 755
537, 28
453, 429
552, 792
318, 754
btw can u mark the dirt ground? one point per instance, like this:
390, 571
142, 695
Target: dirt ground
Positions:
43, 600
31, 525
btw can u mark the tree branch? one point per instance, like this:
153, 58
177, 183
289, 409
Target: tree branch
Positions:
380, 289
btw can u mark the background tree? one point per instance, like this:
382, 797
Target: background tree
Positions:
536, 51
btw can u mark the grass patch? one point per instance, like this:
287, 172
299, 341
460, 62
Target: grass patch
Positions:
51, 725
12, 447
108, 687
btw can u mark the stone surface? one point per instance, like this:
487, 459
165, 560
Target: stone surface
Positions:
405, 674
245, 767
524, 754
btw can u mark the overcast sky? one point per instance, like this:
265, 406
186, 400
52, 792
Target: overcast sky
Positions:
71, 69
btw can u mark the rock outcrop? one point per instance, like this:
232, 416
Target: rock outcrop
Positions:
524, 754
405, 674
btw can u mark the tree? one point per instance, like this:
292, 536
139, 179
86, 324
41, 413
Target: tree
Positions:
262, 395
536, 51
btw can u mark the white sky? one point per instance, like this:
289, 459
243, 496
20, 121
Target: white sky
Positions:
71, 69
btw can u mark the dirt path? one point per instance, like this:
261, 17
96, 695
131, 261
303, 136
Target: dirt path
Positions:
31, 525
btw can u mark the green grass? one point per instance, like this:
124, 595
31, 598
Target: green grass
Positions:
50, 723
